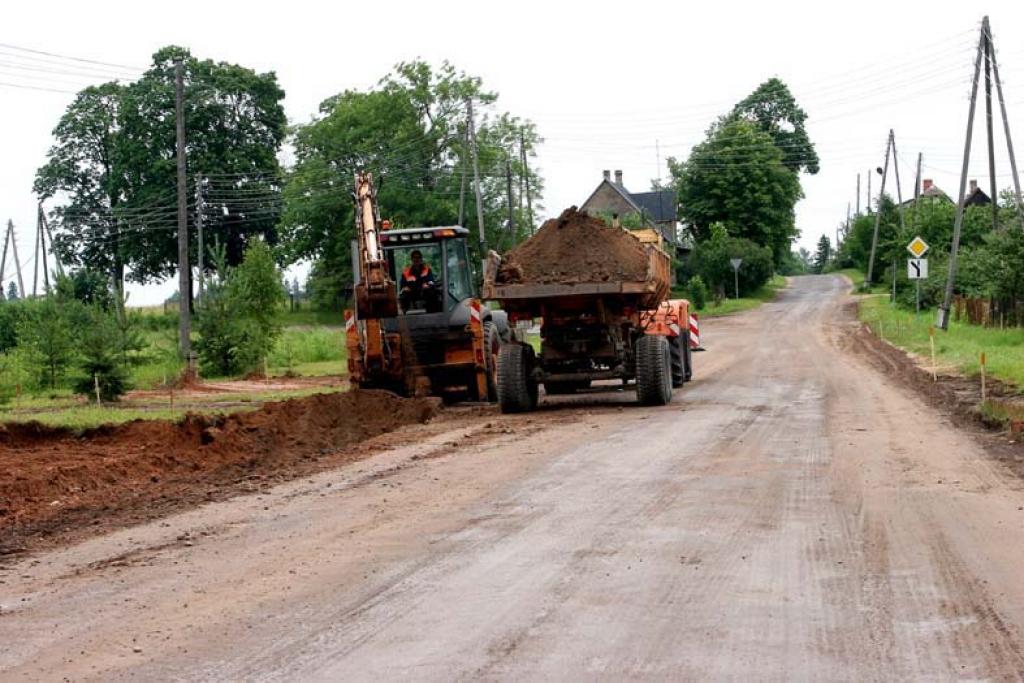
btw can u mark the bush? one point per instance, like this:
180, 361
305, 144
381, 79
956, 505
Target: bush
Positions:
698, 292
239, 322
711, 261
47, 335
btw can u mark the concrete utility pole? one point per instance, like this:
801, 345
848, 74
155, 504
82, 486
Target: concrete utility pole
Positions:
869, 191
200, 206
1006, 122
943, 321
476, 183
3, 260
917, 189
462, 190
42, 240
35, 262
858, 194
17, 262
184, 286
511, 209
526, 175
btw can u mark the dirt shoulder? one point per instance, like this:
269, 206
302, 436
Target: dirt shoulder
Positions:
957, 396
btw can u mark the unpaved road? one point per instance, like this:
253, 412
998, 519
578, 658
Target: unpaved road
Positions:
792, 514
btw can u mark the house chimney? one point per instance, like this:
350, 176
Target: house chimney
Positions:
974, 186
607, 175
618, 178
926, 184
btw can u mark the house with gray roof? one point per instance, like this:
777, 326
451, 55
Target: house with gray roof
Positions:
659, 209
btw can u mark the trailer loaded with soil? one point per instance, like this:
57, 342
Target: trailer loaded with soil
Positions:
602, 298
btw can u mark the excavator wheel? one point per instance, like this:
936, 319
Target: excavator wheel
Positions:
492, 344
653, 370
517, 390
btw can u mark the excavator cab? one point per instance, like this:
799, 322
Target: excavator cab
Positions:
444, 253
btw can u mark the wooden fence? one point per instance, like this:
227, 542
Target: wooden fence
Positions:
989, 312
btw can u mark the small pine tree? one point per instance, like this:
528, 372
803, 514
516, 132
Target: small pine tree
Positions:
100, 362
12, 292
47, 335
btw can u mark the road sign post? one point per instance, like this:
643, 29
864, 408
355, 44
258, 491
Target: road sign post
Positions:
736, 262
917, 267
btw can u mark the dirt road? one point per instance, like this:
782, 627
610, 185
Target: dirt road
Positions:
792, 514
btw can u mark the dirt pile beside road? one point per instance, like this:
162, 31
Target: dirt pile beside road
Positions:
52, 480
575, 248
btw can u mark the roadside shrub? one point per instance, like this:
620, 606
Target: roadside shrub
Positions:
239, 320
711, 261
47, 335
698, 292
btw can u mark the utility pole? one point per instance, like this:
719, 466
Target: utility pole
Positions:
988, 124
42, 240
522, 166
1006, 122
899, 208
511, 209
476, 184
943, 321
917, 190
17, 261
199, 235
49, 236
878, 214
462, 190
526, 175
858, 194
846, 230
869, 190
3, 259
35, 262
184, 286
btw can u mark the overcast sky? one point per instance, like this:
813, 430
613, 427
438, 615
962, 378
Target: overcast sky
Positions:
609, 84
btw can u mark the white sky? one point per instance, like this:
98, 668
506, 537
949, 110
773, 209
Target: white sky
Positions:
603, 80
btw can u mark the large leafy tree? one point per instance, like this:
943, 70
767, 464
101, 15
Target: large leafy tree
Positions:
775, 111
410, 131
112, 168
738, 177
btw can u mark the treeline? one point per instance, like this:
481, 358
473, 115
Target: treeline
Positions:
109, 180
738, 191
990, 261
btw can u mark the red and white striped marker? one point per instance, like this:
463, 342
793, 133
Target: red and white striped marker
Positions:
474, 310
695, 333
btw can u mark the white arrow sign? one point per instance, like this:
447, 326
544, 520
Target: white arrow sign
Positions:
917, 269
735, 263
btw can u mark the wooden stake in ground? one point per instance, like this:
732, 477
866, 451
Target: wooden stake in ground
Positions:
96, 383
984, 394
931, 342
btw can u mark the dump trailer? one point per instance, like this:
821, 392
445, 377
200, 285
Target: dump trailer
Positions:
625, 330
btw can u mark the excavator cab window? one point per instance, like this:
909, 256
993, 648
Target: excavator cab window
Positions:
418, 292
457, 272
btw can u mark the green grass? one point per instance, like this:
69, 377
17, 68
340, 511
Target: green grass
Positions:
730, 306
88, 417
313, 318
960, 347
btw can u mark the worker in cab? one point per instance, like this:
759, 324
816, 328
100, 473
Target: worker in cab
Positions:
417, 283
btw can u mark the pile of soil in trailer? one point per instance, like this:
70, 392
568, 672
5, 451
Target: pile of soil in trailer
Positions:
575, 248
53, 480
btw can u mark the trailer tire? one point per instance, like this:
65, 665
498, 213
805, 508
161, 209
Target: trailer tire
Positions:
675, 345
517, 390
653, 370
688, 357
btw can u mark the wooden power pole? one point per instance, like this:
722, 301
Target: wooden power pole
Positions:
476, 188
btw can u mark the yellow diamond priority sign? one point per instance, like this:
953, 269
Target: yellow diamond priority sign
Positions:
918, 247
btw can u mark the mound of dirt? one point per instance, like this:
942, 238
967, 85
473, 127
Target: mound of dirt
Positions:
575, 248
56, 478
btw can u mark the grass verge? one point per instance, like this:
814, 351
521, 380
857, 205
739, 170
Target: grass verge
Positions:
730, 306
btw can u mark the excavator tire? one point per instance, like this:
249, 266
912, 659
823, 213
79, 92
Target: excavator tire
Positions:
492, 343
517, 390
687, 357
653, 370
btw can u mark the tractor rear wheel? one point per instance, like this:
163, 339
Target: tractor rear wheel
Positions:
653, 370
492, 344
675, 345
517, 390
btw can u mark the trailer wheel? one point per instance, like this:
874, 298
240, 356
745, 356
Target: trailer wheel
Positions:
688, 357
675, 346
653, 370
492, 343
517, 390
